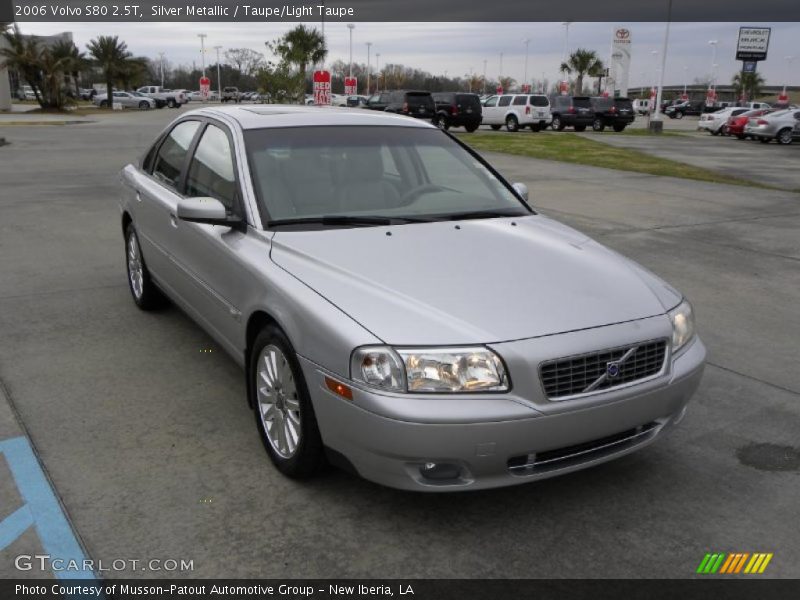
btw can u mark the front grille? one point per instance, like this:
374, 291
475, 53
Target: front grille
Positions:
567, 456
602, 370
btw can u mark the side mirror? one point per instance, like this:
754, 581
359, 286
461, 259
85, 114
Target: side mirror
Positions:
204, 210
522, 191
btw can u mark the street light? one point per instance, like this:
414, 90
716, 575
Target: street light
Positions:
161, 64
484, 76
663, 61
219, 77
203, 37
566, 25
378, 72
788, 60
369, 65
685, 78
351, 26
527, 43
712, 83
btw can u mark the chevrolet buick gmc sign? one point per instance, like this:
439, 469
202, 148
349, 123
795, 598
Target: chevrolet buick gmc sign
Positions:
753, 43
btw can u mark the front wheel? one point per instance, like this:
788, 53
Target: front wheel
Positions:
512, 124
495, 127
784, 137
284, 413
171, 103
441, 122
144, 105
678, 115
598, 125
557, 124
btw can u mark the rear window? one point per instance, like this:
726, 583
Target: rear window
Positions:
468, 100
539, 101
602, 103
419, 98
623, 103
443, 98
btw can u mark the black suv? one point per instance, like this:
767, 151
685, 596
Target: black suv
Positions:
412, 104
612, 112
571, 111
377, 101
455, 109
681, 109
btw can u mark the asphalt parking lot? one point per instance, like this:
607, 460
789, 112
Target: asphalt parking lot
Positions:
141, 424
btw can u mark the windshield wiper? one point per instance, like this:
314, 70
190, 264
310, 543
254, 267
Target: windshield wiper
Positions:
486, 214
347, 220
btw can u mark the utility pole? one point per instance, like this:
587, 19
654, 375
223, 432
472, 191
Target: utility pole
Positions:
527, 43
663, 62
219, 77
351, 26
484, 76
369, 47
161, 64
378, 72
203, 37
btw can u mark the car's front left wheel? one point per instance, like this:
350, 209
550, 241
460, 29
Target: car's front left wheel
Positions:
145, 293
284, 413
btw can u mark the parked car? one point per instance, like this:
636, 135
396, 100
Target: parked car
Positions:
736, 124
754, 105
572, 111
616, 113
25, 92
411, 103
356, 101
716, 123
517, 111
778, 126
457, 109
501, 366
88, 93
231, 94
681, 109
641, 106
378, 101
164, 97
126, 99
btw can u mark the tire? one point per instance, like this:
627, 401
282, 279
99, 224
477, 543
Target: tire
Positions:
557, 124
495, 127
279, 391
144, 105
678, 115
619, 128
441, 122
724, 130
471, 128
144, 292
171, 103
784, 137
713, 131
598, 125
580, 128
103, 103
512, 124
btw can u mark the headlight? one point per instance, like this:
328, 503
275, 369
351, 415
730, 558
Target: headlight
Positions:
453, 370
682, 318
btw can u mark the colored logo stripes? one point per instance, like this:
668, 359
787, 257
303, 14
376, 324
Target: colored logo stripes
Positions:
734, 563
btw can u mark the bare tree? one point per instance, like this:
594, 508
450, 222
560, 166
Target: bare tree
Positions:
244, 60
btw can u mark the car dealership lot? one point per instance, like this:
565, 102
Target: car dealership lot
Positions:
141, 421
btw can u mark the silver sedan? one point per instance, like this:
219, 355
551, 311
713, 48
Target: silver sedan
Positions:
398, 308
776, 126
126, 100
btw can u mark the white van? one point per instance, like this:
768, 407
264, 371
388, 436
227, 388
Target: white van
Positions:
517, 110
641, 106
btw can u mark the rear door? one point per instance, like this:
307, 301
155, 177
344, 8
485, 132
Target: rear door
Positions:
420, 104
469, 104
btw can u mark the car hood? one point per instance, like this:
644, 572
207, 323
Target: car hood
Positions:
475, 281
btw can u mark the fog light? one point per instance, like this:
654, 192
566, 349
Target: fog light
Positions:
440, 471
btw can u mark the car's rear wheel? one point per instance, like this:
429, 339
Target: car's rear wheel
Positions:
724, 130
441, 122
145, 293
284, 413
598, 125
144, 105
784, 136
580, 127
171, 103
557, 124
471, 128
678, 115
511, 123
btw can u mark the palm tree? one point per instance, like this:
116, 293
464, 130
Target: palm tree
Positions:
580, 63
748, 84
74, 61
598, 70
111, 55
301, 46
24, 56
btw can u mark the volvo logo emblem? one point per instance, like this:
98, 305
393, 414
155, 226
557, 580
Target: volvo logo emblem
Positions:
612, 369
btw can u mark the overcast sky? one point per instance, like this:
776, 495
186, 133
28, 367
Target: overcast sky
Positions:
459, 47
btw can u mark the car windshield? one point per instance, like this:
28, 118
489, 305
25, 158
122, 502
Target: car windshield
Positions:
379, 172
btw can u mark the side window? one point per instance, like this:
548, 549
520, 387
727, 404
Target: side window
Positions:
520, 100
172, 154
491, 101
211, 172
504, 101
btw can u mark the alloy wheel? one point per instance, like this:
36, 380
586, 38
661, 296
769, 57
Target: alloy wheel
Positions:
135, 270
278, 401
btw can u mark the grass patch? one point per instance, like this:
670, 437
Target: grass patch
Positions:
578, 149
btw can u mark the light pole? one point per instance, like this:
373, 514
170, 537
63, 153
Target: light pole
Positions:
663, 61
500, 74
203, 37
484, 76
378, 72
788, 60
566, 25
527, 43
161, 65
712, 83
369, 65
219, 77
351, 26
685, 78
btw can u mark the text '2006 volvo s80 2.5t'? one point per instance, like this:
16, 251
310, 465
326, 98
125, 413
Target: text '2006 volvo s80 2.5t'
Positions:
397, 306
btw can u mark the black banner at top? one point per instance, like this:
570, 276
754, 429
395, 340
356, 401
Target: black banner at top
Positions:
403, 10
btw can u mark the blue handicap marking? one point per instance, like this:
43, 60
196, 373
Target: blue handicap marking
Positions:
42, 510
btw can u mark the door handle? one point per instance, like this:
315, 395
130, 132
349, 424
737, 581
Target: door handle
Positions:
173, 220
138, 196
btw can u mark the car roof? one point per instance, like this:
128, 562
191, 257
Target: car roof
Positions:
293, 115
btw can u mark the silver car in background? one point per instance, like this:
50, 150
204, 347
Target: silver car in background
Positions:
776, 126
398, 308
126, 100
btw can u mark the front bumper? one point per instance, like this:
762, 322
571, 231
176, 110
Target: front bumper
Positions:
487, 437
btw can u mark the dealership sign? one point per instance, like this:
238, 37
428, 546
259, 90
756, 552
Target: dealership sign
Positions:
753, 43
620, 60
205, 86
350, 86
322, 87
